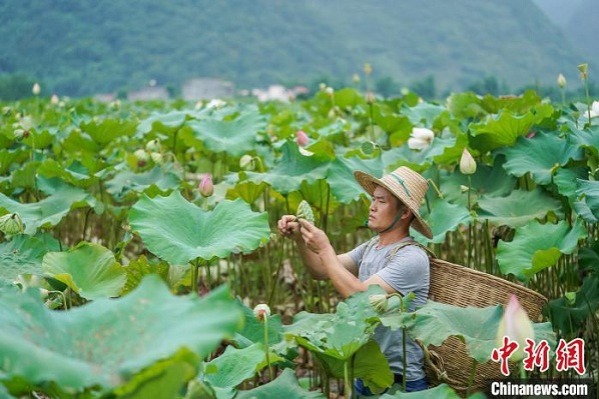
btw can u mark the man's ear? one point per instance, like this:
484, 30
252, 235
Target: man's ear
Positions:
407, 213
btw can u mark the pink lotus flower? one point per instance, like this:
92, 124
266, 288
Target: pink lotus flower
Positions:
206, 186
515, 325
301, 138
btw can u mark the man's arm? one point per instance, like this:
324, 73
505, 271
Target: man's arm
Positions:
290, 227
339, 268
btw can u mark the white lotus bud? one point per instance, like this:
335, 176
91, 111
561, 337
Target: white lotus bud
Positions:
561, 81
261, 311
36, 89
467, 163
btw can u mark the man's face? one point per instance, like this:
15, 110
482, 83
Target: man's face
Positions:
383, 209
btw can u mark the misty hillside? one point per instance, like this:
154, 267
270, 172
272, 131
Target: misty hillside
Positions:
83, 47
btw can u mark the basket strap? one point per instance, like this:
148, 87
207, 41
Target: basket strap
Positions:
402, 244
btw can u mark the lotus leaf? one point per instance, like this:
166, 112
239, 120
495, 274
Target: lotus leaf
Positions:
442, 391
284, 386
106, 342
179, 232
537, 246
163, 177
291, 170
444, 217
518, 208
23, 254
234, 137
434, 322
108, 130
89, 269
540, 156
506, 128
50, 210
589, 191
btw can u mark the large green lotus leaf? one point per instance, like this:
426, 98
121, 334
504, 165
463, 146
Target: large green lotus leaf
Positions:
89, 269
537, 246
540, 156
235, 366
178, 231
137, 269
434, 322
444, 217
518, 208
566, 181
107, 341
519, 104
418, 160
465, 105
8, 157
390, 121
75, 174
424, 113
368, 363
253, 329
588, 138
49, 211
234, 137
442, 391
23, 254
589, 192
163, 177
163, 379
341, 176
108, 130
567, 315
506, 128
170, 122
284, 386
291, 170
487, 180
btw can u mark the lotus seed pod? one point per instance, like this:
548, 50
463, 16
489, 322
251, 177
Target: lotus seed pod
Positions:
378, 302
11, 224
156, 157
367, 69
153, 145
304, 211
247, 162
19, 134
261, 311
141, 156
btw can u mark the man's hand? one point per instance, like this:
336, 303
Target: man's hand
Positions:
314, 238
289, 227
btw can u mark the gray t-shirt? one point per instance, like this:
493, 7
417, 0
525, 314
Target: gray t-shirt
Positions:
408, 270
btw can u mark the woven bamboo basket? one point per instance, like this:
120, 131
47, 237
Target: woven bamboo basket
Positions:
461, 286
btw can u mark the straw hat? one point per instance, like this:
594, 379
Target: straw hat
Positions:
408, 186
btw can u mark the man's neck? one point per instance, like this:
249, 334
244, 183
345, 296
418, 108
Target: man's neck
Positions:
393, 236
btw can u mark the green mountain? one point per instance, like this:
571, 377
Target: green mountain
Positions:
83, 47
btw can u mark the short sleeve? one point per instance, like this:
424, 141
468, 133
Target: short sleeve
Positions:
357, 253
408, 271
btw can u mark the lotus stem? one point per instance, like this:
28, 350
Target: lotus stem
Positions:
266, 350
348, 386
471, 378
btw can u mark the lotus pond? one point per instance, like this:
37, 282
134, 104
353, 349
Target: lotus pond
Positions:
138, 237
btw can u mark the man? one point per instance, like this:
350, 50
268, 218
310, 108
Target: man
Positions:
385, 260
